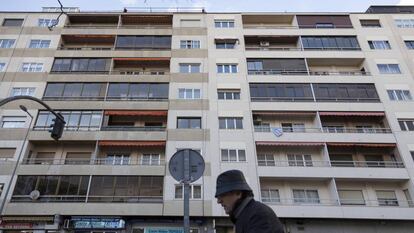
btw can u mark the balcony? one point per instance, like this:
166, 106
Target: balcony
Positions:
146, 21
276, 66
141, 66
337, 67
87, 42
268, 21
92, 21
324, 21
272, 43
147, 121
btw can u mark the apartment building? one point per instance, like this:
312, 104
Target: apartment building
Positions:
315, 108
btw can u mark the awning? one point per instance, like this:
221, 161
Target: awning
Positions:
142, 59
284, 113
351, 113
290, 144
27, 219
135, 113
226, 39
363, 144
132, 143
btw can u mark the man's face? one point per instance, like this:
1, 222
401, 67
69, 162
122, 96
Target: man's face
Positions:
227, 200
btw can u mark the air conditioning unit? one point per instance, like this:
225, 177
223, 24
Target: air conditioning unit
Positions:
264, 43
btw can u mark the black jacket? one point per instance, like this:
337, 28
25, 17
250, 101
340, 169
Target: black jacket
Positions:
256, 217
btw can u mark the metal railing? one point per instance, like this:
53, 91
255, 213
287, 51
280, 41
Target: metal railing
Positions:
338, 202
332, 48
341, 73
333, 129
135, 98
132, 128
262, 48
75, 98
143, 48
69, 128
325, 26
90, 198
49, 198
302, 201
146, 26
253, 26
332, 163
86, 48
89, 161
282, 99
91, 26
133, 72
79, 72
126, 199
277, 72
260, 128
332, 99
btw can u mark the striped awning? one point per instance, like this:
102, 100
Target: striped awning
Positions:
363, 144
289, 143
351, 113
132, 143
135, 113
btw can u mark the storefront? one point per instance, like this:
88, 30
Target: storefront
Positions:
95, 225
29, 224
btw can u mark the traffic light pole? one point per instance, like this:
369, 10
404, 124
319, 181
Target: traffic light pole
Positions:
58, 116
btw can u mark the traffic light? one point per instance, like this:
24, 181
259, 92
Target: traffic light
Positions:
57, 127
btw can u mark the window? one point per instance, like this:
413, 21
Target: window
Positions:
151, 159
184, 93
39, 44
386, 198
293, 127
281, 92
6, 43
51, 188
266, 160
399, 95
330, 42
13, 122
117, 159
189, 44
224, 23
190, 68
12, 22
138, 91
389, 68
226, 68
404, 23
379, 44
2, 66
7, 153
270, 195
75, 120
18, 91
80, 65
233, 155
1, 189
230, 122
406, 124
305, 196
228, 94
345, 92
300, 160
46, 22
409, 44
351, 197
195, 191
77, 91
276, 66
225, 44
188, 122
32, 67
406, 194
143, 42
370, 23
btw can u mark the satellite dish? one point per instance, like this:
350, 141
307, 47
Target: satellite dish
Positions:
35, 194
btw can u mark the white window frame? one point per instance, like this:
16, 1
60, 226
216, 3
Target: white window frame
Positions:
227, 68
7, 43
389, 68
404, 122
293, 128
271, 198
19, 120
229, 158
189, 93
307, 198
46, 22
189, 44
399, 95
227, 45
153, 159
19, 91
234, 119
32, 67
300, 160
384, 201
351, 201
177, 188
228, 91
224, 23
189, 67
118, 159
39, 44
266, 160
404, 23
379, 44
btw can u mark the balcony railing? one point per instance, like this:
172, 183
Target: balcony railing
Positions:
253, 26
332, 48
341, 202
262, 48
277, 72
91, 26
329, 26
260, 128
339, 73
334, 99
75, 98
333, 163
69, 128
79, 72
132, 128
86, 48
333, 129
132, 72
282, 99
85, 198
97, 161
136, 98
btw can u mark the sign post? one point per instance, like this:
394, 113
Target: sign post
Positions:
186, 166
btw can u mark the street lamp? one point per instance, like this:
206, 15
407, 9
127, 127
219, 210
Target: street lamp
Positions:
24, 109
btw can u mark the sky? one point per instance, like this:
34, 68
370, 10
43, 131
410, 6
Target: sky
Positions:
209, 5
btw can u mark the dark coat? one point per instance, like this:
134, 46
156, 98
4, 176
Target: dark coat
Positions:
257, 217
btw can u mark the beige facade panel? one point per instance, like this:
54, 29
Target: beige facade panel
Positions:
12, 134
6, 167
25, 77
189, 78
175, 208
27, 52
100, 135
189, 53
187, 31
189, 105
107, 78
188, 135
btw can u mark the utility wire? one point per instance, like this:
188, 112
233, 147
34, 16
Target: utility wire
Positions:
62, 12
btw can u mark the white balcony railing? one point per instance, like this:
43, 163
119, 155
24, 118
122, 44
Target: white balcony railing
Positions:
326, 129
332, 163
97, 161
340, 202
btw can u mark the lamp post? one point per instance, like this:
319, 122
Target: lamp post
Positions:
24, 109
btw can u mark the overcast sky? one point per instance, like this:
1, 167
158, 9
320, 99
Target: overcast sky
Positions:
209, 5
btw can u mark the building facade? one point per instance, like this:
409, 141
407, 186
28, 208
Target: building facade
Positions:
315, 108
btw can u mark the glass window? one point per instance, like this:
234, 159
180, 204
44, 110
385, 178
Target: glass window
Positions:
305, 196
389, 68
224, 23
184, 93
189, 44
195, 191
6, 43
13, 121
32, 67
39, 44
371, 23
226, 45
351, 197
61, 65
399, 95
12, 22
2, 66
226, 68
189, 123
233, 155
404, 23
228, 94
46, 22
406, 124
18, 91
72, 90
230, 123
409, 44
189, 68
270, 195
387, 198
379, 44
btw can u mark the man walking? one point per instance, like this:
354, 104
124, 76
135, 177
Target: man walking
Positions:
248, 215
